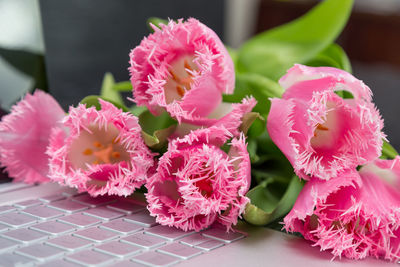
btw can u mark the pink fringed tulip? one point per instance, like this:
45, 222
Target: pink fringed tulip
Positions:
319, 132
354, 215
197, 183
102, 152
227, 115
24, 136
183, 68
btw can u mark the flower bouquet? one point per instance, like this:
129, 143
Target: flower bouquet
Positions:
277, 133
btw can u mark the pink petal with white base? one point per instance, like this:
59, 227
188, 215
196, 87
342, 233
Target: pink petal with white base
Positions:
103, 153
352, 220
24, 136
227, 115
318, 131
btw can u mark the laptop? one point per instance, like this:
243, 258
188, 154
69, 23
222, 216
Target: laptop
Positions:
50, 225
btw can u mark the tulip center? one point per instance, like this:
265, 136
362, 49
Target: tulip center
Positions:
325, 133
99, 145
180, 78
204, 184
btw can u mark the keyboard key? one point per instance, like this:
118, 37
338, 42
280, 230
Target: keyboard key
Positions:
104, 213
80, 220
60, 263
68, 205
71, 193
126, 207
53, 228
118, 249
169, 233
51, 198
156, 259
28, 203
94, 201
96, 234
7, 208
11, 259
14, 219
195, 239
180, 250
222, 235
210, 245
40, 252
128, 264
3, 227
6, 244
142, 218
122, 227
42, 212
25, 236
69, 242
90, 258
143, 240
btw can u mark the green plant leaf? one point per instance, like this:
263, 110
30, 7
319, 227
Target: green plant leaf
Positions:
93, 100
156, 129
125, 86
332, 56
388, 151
267, 205
159, 137
248, 120
107, 90
156, 22
138, 110
272, 52
260, 87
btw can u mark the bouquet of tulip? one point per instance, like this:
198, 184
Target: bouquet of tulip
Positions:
216, 135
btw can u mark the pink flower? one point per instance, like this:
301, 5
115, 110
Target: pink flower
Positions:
319, 132
197, 183
227, 115
183, 68
354, 215
24, 136
102, 152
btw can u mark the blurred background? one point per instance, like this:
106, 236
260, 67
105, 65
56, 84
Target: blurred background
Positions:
67, 46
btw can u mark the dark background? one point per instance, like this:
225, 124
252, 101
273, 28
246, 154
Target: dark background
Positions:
85, 39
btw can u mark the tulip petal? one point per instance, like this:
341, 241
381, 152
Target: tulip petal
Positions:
24, 136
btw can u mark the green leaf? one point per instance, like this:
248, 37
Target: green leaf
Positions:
261, 88
138, 110
156, 22
93, 100
332, 56
159, 137
156, 129
107, 90
388, 151
123, 86
248, 120
267, 205
252, 149
272, 52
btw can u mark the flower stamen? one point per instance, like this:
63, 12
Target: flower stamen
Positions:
183, 83
104, 154
320, 127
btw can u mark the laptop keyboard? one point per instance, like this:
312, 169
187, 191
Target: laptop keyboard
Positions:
68, 230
